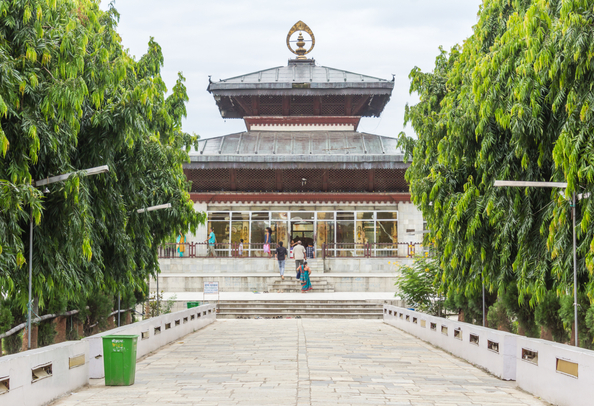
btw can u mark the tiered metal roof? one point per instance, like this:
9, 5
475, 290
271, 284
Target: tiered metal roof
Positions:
302, 78
303, 148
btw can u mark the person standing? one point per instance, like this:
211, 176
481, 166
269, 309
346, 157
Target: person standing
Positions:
281, 256
305, 282
267, 239
212, 240
299, 254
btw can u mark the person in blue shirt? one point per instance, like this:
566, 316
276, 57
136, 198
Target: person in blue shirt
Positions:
212, 240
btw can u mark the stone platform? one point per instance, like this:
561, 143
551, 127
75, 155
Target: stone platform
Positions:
303, 362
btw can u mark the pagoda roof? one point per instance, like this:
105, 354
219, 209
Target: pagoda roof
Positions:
293, 149
304, 78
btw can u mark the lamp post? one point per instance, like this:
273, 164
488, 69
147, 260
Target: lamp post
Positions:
88, 172
560, 185
146, 210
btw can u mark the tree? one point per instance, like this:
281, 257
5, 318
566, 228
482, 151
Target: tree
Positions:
71, 97
513, 102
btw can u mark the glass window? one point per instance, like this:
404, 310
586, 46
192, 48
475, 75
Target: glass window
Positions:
221, 230
218, 216
387, 232
240, 231
258, 230
365, 232
261, 215
345, 232
345, 215
365, 215
387, 215
240, 216
326, 215
280, 215
280, 232
302, 215
324, 233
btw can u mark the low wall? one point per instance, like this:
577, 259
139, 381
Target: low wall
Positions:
36, 377
174, 283
266, 265
490, 349
152, 333
558, 373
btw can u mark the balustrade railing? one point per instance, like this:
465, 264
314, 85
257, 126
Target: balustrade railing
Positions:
256, 250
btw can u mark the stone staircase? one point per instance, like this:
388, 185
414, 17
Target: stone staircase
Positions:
292, 285
272, 309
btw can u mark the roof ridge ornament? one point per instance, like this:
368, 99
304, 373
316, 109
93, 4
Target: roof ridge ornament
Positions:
300, 51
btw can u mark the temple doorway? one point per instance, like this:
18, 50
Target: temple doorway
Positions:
303, 231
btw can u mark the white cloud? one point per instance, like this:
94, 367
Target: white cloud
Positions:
231, 37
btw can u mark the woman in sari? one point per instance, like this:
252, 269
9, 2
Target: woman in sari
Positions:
305, 282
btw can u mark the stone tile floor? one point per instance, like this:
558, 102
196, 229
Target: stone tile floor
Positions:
303, 362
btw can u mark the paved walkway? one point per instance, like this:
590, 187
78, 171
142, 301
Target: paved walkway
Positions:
303, 362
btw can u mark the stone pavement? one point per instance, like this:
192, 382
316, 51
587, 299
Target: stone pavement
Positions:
303, 362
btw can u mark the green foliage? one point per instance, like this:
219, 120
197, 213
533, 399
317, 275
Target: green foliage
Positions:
9, 317
100, 306
522, 313
161, 307
513, 102
498, 317
46, 333
71, 98
470, 305
546, 316
566, 314
415, 285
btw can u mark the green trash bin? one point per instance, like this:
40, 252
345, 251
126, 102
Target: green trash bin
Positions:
193, 304
119, 359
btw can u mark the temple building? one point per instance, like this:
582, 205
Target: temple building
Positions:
301, 167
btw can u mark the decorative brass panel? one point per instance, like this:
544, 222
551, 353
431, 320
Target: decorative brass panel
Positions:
567, 367
76, 361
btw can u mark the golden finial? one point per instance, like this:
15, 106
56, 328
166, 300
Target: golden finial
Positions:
300, 51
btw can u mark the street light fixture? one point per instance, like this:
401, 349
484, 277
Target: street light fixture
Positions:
561, 185
92, 171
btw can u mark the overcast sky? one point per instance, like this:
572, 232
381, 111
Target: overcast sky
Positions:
232, 37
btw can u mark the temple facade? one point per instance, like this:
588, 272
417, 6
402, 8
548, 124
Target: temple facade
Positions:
303, 169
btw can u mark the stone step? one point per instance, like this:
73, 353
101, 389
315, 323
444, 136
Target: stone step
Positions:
300, 305
312, 301
302, 315
294, 308
242, 310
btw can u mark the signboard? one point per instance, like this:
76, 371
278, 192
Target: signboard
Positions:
211, 288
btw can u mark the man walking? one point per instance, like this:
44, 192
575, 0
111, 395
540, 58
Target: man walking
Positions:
212, 240
281, 256
299, 254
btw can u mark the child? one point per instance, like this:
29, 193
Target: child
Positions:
241, 247
310, 251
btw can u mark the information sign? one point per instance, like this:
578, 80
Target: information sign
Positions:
211, 288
